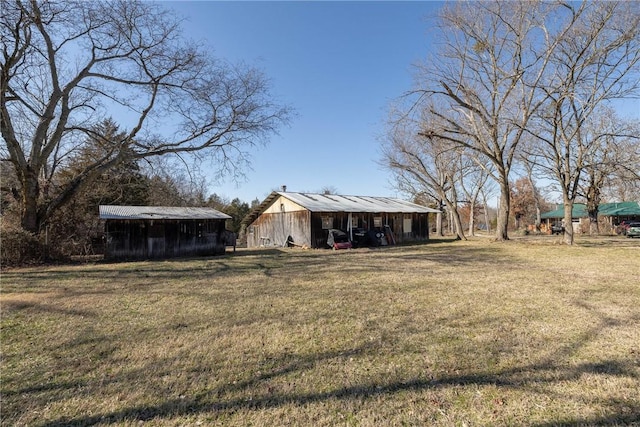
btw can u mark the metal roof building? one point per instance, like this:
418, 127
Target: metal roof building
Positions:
610, 214
305, 218
617, 209
140, 232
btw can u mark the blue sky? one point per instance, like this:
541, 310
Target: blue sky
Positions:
338, 64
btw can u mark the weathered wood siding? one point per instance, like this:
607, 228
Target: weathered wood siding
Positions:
273, 229
142, 239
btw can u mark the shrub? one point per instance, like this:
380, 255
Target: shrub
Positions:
18, 246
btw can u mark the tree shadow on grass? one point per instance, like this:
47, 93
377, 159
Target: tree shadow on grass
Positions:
533, 378
102, 279
607, 241
530, 377
9, 305
629, 417
620, 413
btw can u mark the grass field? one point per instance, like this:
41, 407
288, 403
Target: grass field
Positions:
526, 333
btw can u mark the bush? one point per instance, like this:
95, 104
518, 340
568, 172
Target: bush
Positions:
18, 246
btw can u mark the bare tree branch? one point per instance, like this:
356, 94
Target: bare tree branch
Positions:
67, 64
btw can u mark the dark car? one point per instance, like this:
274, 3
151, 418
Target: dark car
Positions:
557, 228
633, 230
360, 238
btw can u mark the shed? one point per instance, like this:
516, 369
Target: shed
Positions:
140, 232
306, 218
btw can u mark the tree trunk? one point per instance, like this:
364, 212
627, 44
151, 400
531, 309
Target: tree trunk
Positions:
503, 214
593, 202
568, 221
455, 221
458, 225
472, 223
30, 192
536, 195
594, 227
487, 221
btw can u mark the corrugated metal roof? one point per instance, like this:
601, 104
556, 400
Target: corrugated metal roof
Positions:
159, 212
335, 203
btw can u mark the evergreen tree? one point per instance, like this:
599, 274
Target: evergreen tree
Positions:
75, 228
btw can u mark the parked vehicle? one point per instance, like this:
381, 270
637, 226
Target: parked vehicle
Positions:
360, 238
634, 229
338, 239
557, 228
623, 227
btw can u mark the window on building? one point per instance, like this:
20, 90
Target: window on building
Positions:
377, 221
406, 224
327, 222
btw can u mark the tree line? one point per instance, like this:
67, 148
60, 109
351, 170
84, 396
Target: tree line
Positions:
526, 87
68, 65
521, 88
75, 228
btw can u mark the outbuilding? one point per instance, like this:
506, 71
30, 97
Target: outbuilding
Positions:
141, 232
304, 219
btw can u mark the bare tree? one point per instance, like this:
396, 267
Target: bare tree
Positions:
483, 83
67, 65
505, 64
486, 191
624, 183
329, 189
174, 184
422, 166
537, 197
613, 154
597, 60
527, 158
475, 171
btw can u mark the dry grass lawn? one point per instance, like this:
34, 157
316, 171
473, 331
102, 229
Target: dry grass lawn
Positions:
527, 332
